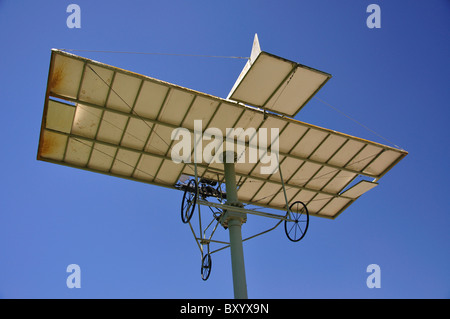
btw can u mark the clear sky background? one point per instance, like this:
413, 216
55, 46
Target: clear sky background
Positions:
127, 237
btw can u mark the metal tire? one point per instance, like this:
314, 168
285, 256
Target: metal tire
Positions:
206, 266
300, 216
189, 201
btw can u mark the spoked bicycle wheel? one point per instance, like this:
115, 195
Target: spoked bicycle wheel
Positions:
296, 228
189, 201
206, 266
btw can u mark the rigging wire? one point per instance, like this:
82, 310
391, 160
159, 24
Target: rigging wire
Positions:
232, 57
357, 122
154, 131
159, 53
151, 127
115, 159
314, 178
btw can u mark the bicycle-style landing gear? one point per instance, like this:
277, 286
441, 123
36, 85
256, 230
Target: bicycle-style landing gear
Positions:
206, 266
296, 219
189, 201
296, 227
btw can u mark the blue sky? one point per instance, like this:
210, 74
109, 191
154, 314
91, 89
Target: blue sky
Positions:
127, 237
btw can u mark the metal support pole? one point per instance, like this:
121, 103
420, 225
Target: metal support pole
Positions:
234, 221
237, 259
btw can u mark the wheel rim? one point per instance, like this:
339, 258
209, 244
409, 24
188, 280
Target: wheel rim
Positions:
189, 201
206, 266
296, 228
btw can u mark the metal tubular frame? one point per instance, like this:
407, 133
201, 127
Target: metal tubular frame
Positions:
233, 216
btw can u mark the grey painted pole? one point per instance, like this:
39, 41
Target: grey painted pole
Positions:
234, 221
237, 259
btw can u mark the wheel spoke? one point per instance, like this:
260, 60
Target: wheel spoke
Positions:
291, 228
301, 231
189, 204
295, 232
